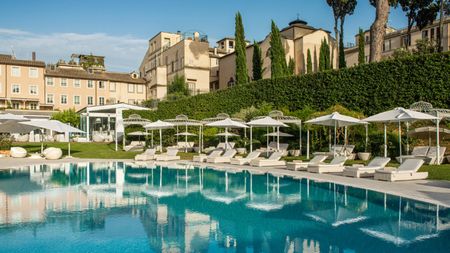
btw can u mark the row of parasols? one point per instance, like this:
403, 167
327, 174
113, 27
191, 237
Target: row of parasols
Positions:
277, 120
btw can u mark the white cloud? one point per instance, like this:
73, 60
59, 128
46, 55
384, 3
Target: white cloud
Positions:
122, 53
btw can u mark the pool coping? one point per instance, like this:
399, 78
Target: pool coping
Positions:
431, 191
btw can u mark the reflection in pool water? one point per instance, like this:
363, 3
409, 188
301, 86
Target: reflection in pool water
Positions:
117, 207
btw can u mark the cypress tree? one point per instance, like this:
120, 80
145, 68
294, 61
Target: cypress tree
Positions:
291, 67
342, 63
322, 56
309, 66
277, 54
361, 47
257, 62
332, 58
241, 58
327, 55
316, 61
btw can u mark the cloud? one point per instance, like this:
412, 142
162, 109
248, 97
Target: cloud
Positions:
122, 53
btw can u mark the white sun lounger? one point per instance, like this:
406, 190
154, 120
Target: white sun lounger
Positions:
273, 160
336, 165
245, 160
300, 165
203, 158
359, 170
170, 155
148, 154
418, 152
225, 158
406, 171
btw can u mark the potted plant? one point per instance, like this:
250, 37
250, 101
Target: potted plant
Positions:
295, 151
365, 156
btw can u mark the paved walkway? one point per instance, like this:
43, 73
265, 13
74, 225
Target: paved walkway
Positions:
432, 191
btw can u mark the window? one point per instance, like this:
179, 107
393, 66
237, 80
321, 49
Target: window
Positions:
76, 83
33, 73
112, 87
140, 88
90, 100
425, 34
63, 82
63, 99
33, 106
33, 90
130, 88
15, 105
387, 45
406, 40
49, 81
15, 89
432, 34
50, 99
101, 100
231, 44
101, 84
15, 71
192, 87
76, 100
90, 84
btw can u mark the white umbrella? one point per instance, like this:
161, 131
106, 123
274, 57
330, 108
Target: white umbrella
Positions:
281, 134
185, 134
54, 125
265, 122
399, 115
138, 133
335, 120
160, 125
227, 123
9, 116
429, 133
12, 127
227, 134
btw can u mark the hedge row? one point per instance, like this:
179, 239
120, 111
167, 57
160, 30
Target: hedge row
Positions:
370, 88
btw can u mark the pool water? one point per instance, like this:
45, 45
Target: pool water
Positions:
120, 207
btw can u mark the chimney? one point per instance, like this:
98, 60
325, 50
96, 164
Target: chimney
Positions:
196, 36
33, 56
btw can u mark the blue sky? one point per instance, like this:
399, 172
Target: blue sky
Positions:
120, 29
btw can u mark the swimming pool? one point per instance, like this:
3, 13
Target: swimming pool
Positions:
120, 207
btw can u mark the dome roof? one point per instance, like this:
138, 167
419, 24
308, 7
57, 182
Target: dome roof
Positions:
298, 21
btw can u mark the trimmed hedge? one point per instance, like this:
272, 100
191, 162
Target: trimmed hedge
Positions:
369, 88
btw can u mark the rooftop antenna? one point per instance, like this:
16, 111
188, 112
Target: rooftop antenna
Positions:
13, 53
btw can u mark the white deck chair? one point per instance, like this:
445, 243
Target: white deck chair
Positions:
406, 171
300, 165
245, 160
359, 170
418, 152
148, 154
273, 160
170, 155
202, 158
225, 158
336, 165
431, 156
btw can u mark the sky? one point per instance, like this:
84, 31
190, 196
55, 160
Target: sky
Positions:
120, 29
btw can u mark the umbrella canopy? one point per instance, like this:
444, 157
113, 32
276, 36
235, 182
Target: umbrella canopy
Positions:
227, 123
281, 134
9, 116
53, 125
227, 134
14, 127
160, 125
185, 134
335, 119
138, 133
428, 132
135, 119
266, 122
399, 115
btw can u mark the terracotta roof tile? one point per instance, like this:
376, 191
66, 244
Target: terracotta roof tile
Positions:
83, 74
8, 59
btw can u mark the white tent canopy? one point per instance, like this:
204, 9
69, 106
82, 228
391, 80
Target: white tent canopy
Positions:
53, 125
265, 122
13, 127
8, 116
183, 120
399, 115
335, 120
159, 125
227, 123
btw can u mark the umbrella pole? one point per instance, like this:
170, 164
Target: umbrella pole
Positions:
160, 140
177, 135
226, 139
267, 142
307, 144
367, 137
251, 139
152, 138
335, 129
278, 139
345, 137
385, 140
437, 141
42, 141
407, 139
300, 138
400, 140
199, 138
185, 139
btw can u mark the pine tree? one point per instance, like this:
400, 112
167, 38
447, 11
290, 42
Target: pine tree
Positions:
257, 62
277, 53
291, 67
309, 66
241, 58
361, 47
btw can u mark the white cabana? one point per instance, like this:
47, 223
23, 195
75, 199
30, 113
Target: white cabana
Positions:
226, 123
335, 120
429, 133
159, 125
265, 122
53, 125
183, 120
399, 115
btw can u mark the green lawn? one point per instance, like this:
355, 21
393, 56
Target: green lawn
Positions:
106, 151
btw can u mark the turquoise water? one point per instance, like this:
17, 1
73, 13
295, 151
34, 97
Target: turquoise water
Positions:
117, 207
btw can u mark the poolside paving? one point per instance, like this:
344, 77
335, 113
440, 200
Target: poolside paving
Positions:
432, 191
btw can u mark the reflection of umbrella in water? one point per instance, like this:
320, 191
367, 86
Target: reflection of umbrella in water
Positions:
230, 195
429, 133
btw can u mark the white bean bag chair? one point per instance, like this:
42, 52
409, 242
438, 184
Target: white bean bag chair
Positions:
52, 153
18, 152
98, 138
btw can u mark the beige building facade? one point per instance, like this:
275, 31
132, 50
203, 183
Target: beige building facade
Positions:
297, 38
175, 54
396, 39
